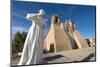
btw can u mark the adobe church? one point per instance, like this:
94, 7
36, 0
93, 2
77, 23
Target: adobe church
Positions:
63, 36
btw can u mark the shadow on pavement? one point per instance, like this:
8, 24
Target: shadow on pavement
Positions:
52, 57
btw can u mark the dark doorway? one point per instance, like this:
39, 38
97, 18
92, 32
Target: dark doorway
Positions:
75, 45
51, 47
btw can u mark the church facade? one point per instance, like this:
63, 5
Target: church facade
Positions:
63, 36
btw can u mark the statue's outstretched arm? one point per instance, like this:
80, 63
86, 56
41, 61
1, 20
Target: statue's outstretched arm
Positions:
31, 16
34, 16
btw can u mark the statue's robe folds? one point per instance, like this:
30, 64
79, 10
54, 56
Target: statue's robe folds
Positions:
33, 46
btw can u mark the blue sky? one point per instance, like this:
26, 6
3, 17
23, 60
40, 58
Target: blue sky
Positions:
83, 16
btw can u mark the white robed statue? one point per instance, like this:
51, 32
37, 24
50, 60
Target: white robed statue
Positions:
33, 46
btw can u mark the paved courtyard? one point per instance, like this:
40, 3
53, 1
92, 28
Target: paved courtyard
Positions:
76, 55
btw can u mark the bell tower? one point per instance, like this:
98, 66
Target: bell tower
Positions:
55, 19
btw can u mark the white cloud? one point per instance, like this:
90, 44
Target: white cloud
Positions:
18, 15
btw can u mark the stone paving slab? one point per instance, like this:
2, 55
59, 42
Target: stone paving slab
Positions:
84, 54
